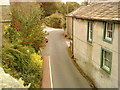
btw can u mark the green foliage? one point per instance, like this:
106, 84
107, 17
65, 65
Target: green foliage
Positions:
62, 9
23, 62
68, 37
55, 20
21, 42
11, 34
71, 6
34, 71
63, 23
27, 19
52, 7
23, 38
14, 59
49, 8
36, 62
84, 3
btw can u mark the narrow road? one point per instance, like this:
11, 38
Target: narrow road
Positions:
64, 73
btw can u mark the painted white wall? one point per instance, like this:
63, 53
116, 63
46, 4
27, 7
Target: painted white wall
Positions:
69, 26
88, 55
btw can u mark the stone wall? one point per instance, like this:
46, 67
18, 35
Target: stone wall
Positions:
7, 81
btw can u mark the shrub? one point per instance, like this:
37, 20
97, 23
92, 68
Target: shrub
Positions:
11, 34
36, 69
28, 22
22, 62
21, 43
15, 58
63, 23
36, 61
56, 21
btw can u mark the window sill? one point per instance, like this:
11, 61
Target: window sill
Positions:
90, 43
107, 41
109, 72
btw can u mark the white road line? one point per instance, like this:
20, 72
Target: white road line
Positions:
50, 73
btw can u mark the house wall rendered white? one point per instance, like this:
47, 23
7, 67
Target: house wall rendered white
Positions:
69, 26
88, 55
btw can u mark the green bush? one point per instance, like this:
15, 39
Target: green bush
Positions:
36, 64
27, 20
56, 21
21, 42
63, 23
11, 34
17, 59
22, 62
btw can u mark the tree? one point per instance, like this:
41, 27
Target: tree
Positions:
27, 20
60, 8
72, 6
49, 8
21, 42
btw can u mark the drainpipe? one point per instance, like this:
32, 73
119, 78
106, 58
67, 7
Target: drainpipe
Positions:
72, 36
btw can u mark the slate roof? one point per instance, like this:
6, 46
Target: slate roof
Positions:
98, 11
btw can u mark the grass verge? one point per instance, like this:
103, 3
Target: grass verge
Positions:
67, 36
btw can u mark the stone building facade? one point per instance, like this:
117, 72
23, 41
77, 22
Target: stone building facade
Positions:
95, 34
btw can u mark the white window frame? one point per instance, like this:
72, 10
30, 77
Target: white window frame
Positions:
107, 30
90, 31
106, 61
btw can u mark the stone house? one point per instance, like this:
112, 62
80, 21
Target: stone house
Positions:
95, 31
69, 27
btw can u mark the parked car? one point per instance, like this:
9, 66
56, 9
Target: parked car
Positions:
46, 39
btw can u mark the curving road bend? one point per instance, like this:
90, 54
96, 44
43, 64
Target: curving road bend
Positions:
64, 73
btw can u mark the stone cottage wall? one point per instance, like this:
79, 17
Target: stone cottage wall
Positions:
69, 26
88, 54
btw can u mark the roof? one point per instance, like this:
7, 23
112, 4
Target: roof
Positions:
99, 11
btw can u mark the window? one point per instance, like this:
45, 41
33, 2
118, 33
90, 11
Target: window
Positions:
90, 32
108, 32
106, 60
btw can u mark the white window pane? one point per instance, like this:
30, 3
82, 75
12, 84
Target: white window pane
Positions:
106, 60
90, 31
109, 31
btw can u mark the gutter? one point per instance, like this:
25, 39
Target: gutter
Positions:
104, 20
94, 19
